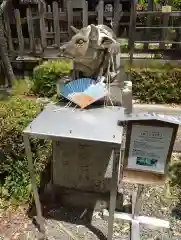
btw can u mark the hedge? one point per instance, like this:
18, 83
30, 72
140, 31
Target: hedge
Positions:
15, 114
157, 85
175, 3
46, 75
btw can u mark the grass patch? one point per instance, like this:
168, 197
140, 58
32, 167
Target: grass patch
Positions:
22, 86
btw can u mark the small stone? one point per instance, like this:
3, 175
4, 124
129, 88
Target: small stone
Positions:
15, 236
116, 234
25, 225
43, 100
97, 215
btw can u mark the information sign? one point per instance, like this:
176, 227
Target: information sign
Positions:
149, 147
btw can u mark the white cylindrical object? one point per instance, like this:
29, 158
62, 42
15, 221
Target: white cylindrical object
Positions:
128, 84
127, 96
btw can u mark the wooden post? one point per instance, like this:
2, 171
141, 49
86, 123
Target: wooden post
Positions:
64, 5
164, 30
51, 23
42, 10
85, 13
116, 17
132, 32
8, 31
49, 9
30, 29
19, 32
3, 82
178, 35
148, 23
70, 16
56, 23
101, 12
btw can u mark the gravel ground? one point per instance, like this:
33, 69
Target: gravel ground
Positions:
155, 201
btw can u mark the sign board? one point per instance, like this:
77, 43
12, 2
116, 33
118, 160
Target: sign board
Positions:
149, 144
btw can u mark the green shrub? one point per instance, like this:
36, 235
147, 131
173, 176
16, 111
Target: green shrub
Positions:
176, 4
15, 114
157, 85
46, 75
175, 172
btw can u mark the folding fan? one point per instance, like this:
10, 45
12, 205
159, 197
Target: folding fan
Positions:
84, 91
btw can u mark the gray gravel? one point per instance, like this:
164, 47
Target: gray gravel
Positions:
155, 201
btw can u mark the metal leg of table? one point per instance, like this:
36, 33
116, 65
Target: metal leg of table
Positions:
113, 192
39, 219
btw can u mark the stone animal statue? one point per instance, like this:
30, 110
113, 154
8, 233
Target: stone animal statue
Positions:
95, 52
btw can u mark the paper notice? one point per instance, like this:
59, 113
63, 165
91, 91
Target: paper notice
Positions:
149, 146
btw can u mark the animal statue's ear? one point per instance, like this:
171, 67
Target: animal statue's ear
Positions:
75, 30
85, 32
94, 32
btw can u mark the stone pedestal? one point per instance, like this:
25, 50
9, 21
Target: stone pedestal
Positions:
82, 166
82, 173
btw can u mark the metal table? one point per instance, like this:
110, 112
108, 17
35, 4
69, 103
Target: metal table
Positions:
93, 125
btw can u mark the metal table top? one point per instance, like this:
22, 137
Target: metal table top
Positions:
96, 124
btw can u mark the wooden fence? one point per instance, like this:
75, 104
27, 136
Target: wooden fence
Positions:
52, 27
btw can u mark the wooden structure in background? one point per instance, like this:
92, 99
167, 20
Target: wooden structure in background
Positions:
54, 24
149, 26
40, 32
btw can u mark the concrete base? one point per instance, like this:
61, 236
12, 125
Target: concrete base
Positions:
82, 174
79, 199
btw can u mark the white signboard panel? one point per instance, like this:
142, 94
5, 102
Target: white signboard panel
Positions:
149, 146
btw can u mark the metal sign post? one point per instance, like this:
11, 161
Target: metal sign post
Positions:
146, 160
113, 192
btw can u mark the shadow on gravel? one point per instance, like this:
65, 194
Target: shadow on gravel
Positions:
69, 215
52, 208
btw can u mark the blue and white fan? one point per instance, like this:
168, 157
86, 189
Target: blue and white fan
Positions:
84, 91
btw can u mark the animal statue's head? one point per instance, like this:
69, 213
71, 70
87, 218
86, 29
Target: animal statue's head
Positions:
81, 41
90, 48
